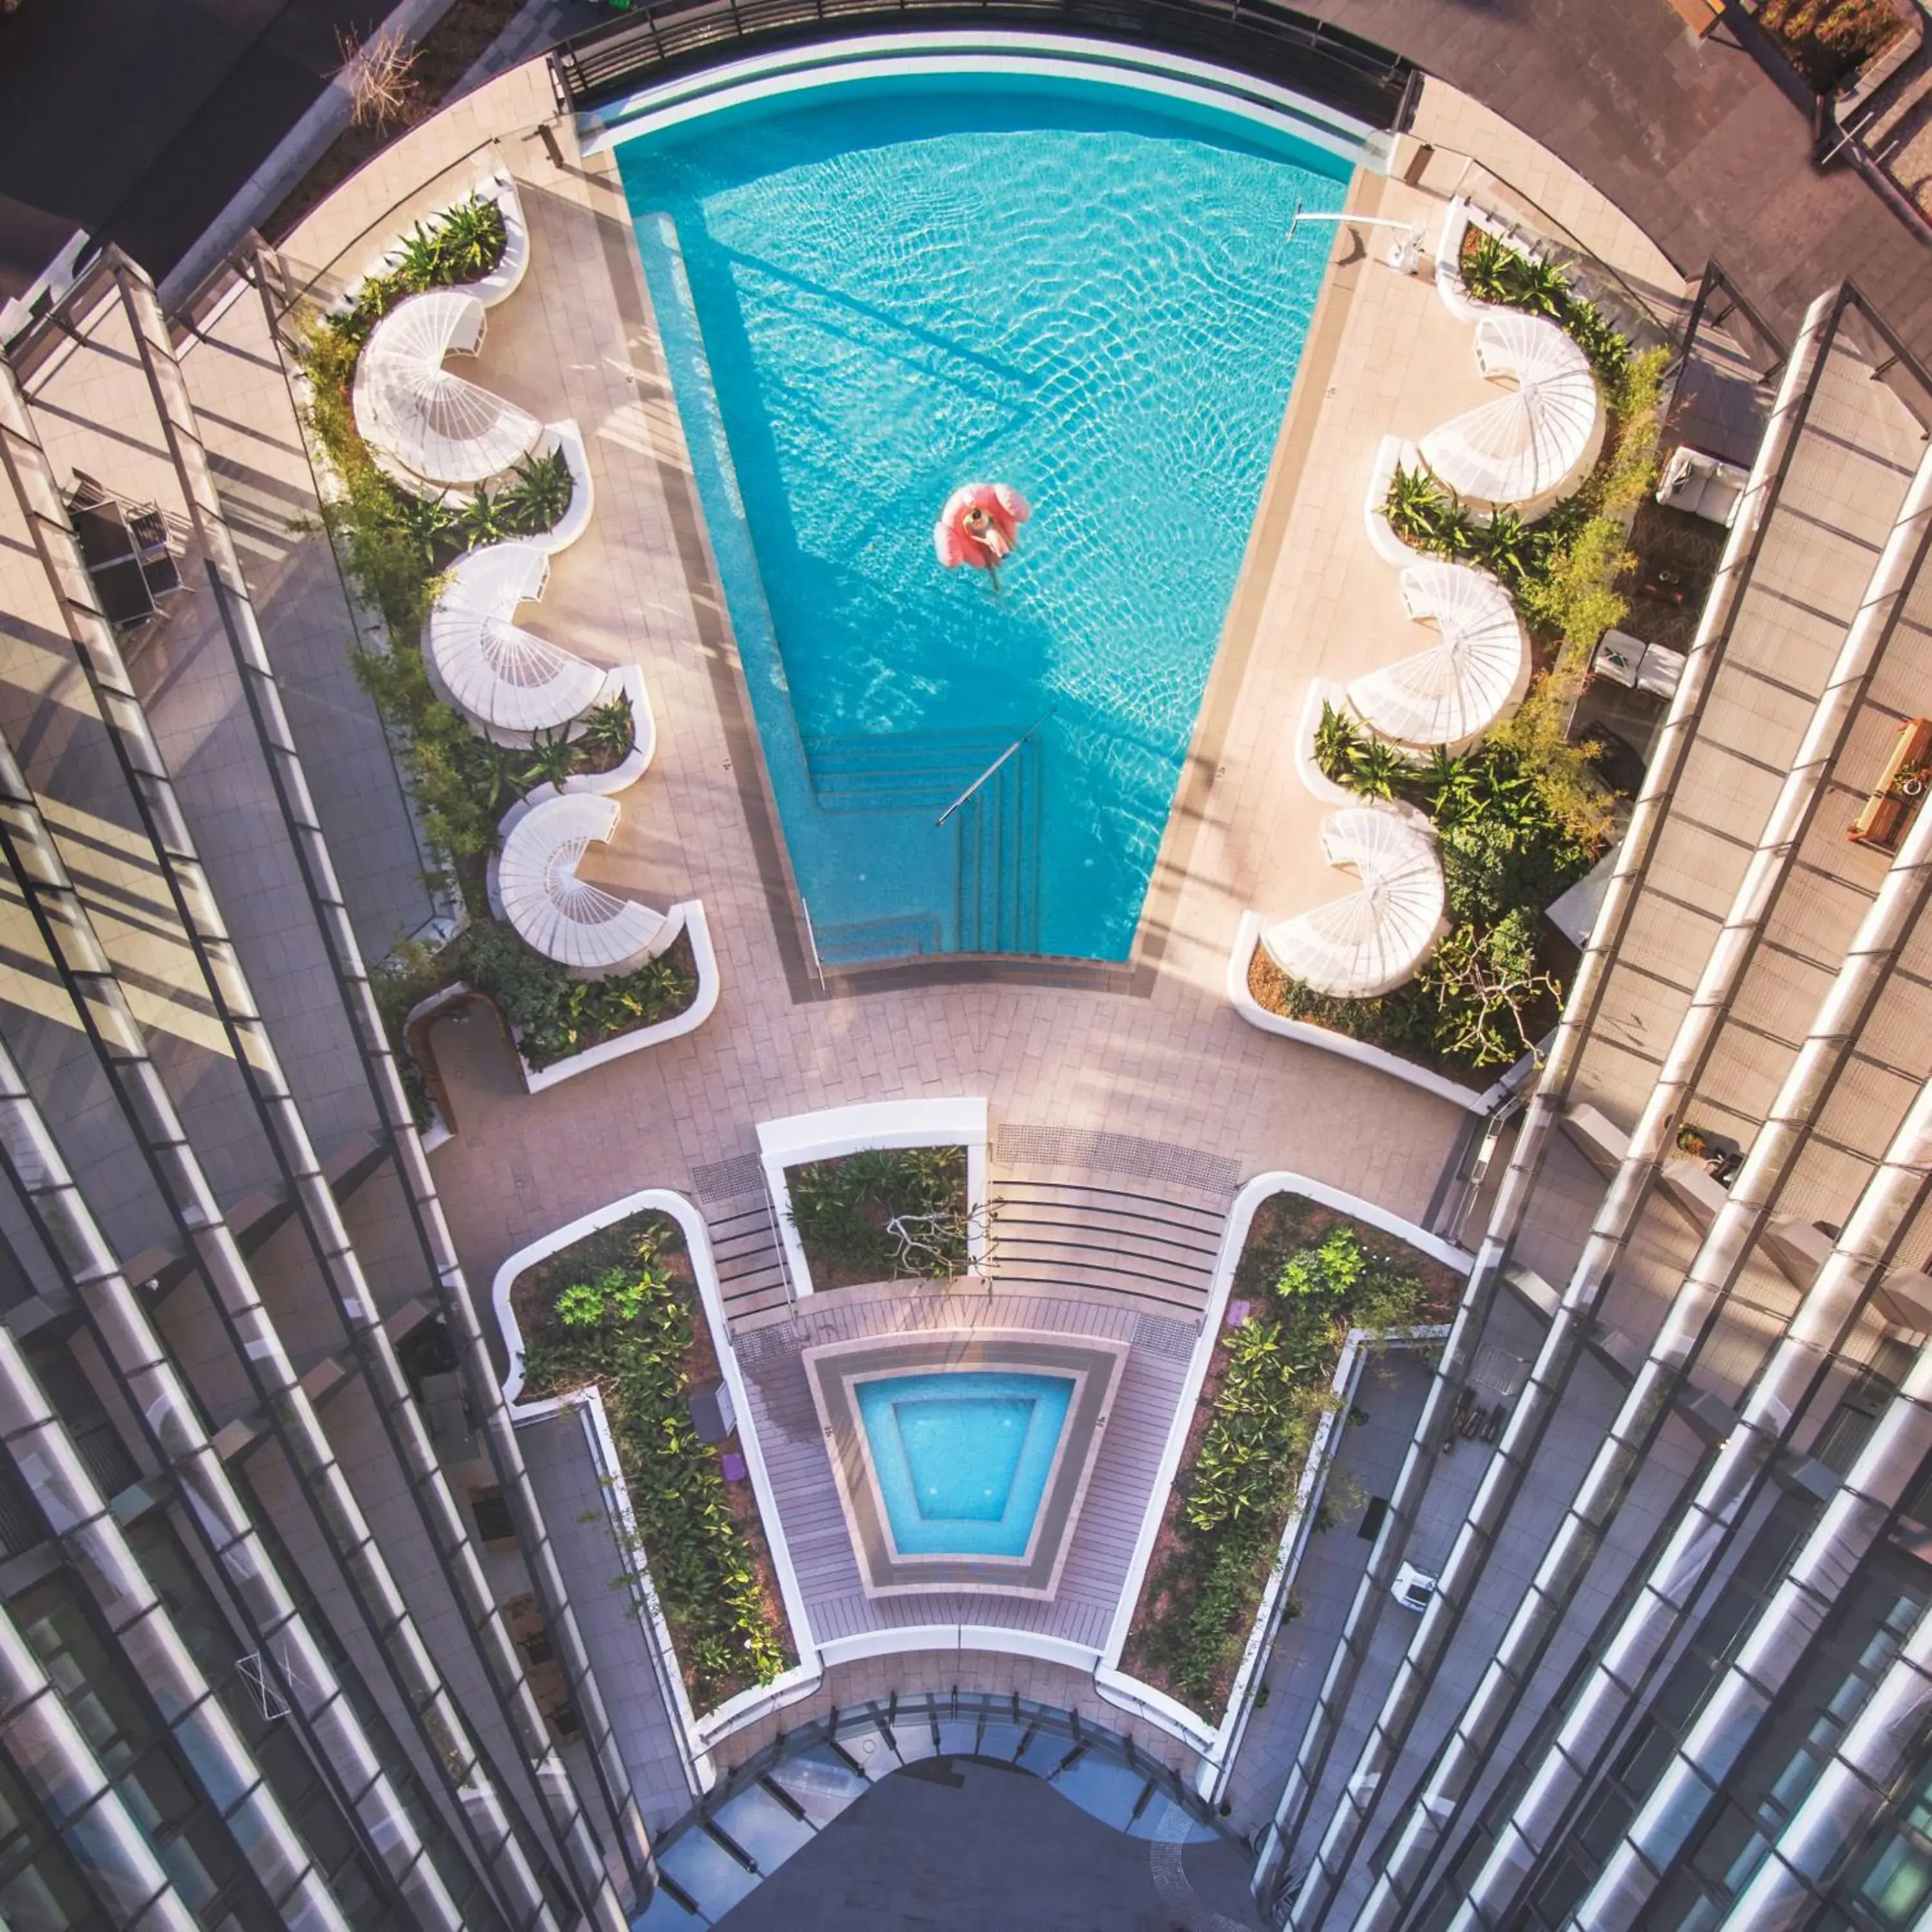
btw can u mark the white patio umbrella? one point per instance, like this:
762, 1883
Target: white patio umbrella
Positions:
1455, 688
1373, 938
550, 907
1525, 444
503, 676
440, 426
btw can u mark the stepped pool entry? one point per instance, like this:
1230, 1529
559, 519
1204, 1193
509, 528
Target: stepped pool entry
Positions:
962, 1458
872, 293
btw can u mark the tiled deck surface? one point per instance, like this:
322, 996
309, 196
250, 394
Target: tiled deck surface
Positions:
1170, 1062
1102, 1538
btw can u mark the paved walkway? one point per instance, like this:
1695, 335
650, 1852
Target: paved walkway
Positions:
1694, 142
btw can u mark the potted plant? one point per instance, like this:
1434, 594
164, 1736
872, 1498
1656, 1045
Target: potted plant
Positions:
1692, 1141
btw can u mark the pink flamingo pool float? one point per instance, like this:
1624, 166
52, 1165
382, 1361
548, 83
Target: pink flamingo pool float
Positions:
979, 526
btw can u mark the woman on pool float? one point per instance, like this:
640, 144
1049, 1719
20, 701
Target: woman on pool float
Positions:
979, 525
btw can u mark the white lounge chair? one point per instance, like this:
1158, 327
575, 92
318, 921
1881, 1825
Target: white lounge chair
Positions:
534, 885
505, 680
1704, 485
1628, 661
1528, 444
1458, 686
440, 427
1371, 940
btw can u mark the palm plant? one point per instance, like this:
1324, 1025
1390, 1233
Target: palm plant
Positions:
1450, 786
1505, 547
608, 730
470, 239
1421, 512
552, 758
425, 521
537, 500
1337, 741
420, 264
482, 519
1376, 769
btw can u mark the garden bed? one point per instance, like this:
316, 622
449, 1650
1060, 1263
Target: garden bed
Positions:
1307, 1275
1523, 816
620, 1309
548, 1015
844, 1209
397, 545
1831, 42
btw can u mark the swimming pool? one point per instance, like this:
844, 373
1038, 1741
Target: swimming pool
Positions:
870, 295
962, 1458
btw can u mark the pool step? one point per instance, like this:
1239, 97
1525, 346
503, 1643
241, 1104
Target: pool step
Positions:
996, 889
997, 902
1158, 1249
899, 771
862, 942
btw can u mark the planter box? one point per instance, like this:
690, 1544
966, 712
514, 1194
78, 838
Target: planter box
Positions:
687, 917
1217, 1743
834, 1131
1247, 936
697, 1734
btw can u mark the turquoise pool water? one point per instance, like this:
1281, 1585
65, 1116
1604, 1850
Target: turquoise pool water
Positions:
870, 295
962, 1456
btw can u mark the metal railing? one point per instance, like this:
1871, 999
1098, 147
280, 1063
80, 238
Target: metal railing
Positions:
1256, 36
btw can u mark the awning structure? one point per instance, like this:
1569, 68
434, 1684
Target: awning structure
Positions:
502, 676
1526, 444
440, 427
1374, 938
562, 917
1457, 688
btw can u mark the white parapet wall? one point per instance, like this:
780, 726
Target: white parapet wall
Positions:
833, 1131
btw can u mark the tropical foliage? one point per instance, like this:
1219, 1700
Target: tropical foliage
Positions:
1508, 847
630, 1328
1268, 1387
462, 245
1829, 41
884, 1213
551, 1015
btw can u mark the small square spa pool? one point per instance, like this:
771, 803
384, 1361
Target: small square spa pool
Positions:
963, 1457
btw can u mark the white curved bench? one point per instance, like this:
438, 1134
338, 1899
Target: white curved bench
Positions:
508, 682
501, 280
627, 681
1524, 446
438, 426
534, 886
566, 436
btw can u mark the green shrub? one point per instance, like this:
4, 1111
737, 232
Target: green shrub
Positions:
1486, 985
1234, 1496
631, 1331
844, 1209
553, 1015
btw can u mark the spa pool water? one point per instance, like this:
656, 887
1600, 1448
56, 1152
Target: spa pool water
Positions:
962, 1456
871, 294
